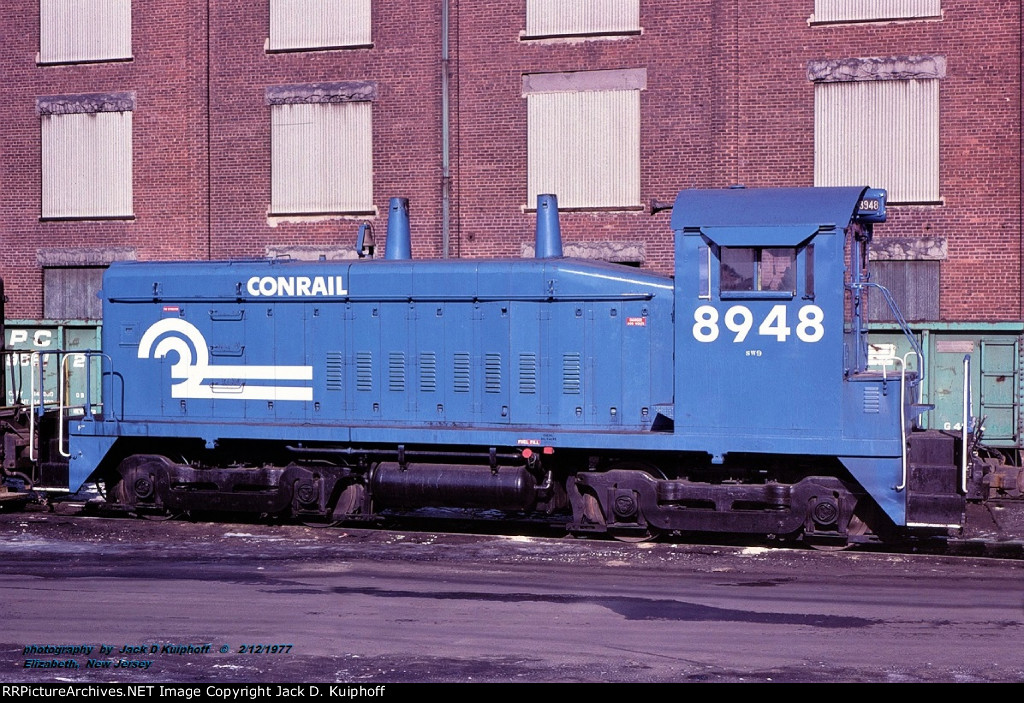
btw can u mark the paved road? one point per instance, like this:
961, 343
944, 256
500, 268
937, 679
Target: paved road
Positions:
363, 606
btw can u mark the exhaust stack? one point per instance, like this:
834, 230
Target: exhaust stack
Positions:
398, 244
549, 233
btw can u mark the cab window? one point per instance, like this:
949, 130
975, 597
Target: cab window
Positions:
756, 269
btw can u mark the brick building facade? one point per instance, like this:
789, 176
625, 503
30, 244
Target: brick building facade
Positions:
197, 129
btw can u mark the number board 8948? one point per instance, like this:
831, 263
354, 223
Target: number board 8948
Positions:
740, 323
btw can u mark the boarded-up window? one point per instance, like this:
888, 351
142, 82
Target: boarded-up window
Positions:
584, 138
879, 133
867, 10
70, 293
914, 286
73, 31
86, 161
556, 18
297, 25
322, 158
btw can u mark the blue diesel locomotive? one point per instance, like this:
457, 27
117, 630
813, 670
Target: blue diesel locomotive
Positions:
737, 396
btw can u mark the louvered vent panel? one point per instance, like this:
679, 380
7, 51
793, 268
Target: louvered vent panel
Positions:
492, 373
872, 400
396, 371
364, 371
460, 375
571, 373
528, 373
428, 372
335, 370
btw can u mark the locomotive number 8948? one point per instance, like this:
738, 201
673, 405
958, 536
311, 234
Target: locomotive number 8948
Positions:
736, 396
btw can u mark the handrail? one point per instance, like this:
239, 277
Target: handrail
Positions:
903, 414
62, 382
107, 400
966, 419
38, 404
33, 358
903, 421
900, 320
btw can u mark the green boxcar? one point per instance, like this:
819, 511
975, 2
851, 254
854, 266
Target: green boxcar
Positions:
995, 379
29, 344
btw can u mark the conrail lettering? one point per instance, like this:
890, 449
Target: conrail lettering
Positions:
296, 286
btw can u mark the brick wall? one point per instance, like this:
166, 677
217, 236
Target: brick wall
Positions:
168, 143
727, 101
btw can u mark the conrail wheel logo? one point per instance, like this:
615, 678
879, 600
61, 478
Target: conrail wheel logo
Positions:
200, 379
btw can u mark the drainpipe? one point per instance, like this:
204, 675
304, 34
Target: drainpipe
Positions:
209, 140
446, 179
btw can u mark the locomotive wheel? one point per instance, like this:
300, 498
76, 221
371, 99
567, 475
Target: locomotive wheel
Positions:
645, 532
157, 515
136, 488
856, 528
348, 503
827, 544
320, 522
650, 535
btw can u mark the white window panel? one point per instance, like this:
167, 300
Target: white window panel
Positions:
73, 31
882, 133
318, 24
584, 147
87, 165
591, 17
321, 158
865, 10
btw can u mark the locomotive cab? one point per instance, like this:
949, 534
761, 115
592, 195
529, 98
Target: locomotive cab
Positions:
772, 337
765, 318
760, 318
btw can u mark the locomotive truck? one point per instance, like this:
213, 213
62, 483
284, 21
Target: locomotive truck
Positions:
739, 395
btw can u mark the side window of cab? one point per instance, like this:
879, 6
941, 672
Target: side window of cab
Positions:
755, 272
758, 269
